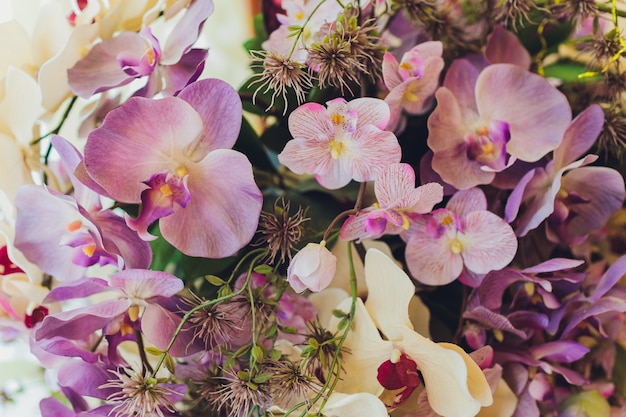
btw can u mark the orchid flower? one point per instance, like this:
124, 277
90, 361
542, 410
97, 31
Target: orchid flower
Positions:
398, 202
485, 120
455, 385
463, 235
172, 155
566, 184
135, 288
412, 81
342, 142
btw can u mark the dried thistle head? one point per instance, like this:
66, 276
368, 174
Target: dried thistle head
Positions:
604, 48
238, 395
576, 10
514, 12
290, 382
280, 75
280, 231
214, 325
320, 350
348, 53
416, 10
139, 395
612, 139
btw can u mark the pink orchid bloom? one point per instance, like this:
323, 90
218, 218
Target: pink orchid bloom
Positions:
398, 202
485, 120
463, 235
173, 155
412, 81
342, 142
566, 191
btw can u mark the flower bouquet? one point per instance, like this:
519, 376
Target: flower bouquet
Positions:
410, 208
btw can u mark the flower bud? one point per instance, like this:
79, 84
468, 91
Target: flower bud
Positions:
312, 268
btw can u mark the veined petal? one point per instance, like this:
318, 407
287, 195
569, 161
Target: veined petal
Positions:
445, 375
144, 284
603, 187
101, 70
372, 151
488, 242
537, 113
464, 202
219, 107
309, 121
431, 260
140, 138
391, 76
390, 292
304, 156
370, 111
223, 213
579, 136
394, 183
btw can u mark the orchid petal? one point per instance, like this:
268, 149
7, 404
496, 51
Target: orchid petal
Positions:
370, 111
579, 136
219, 107
504, 47
222, 215
310, 121
354, 405
488, 242
538, 114
144, 284
157, 130
186, 31
390, 292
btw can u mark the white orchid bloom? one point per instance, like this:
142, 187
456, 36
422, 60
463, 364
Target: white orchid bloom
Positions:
455, 385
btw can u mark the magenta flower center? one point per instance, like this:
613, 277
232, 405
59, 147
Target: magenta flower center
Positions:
487, 144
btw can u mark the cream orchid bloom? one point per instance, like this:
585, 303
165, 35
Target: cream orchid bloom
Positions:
455, 385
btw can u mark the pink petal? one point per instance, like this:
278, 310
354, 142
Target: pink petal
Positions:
186, 31
503, 47
464, 202
219, 107
579, 136
144, 284
488, 242
100, 69
223, 213
604, 200
370, 111
430, 260
310, 121
461, 80
374, 149
391, 76
394, 183
138, 139
537, 113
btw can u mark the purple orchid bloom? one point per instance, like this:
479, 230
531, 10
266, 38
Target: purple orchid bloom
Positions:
64, 235
485, 120
135, 288
172, 155
128, 56
565, 189
464, 235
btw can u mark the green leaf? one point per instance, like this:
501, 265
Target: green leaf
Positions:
275, 354
154, 351
342, 324
214, 280
241, 351
170, 364
263, 269
224, 291
619, 369
261, 378
257, 353
339, 314
164, 255
586, 404
569, 72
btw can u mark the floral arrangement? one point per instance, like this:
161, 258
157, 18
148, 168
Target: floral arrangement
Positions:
412, 207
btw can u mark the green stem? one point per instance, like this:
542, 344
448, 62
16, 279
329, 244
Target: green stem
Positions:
357, 207
204, 305
301, 29
57, 129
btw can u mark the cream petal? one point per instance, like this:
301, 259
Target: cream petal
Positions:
390, 292
21, 105
354, 405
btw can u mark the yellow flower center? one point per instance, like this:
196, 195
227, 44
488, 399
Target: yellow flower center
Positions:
336, 149
166, 190
456, 247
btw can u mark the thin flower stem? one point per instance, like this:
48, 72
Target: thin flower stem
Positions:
146, 369
57, 129
207, 304
301, 28
243, 259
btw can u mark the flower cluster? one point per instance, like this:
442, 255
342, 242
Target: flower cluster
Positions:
411, 207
